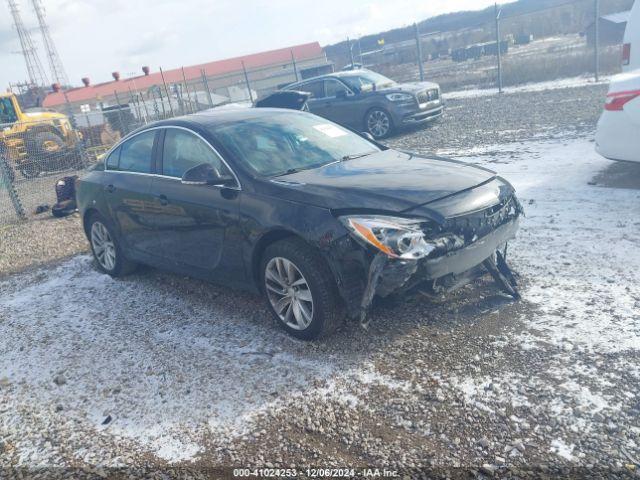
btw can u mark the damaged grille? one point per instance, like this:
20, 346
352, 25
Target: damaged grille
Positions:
428, 95
461, 231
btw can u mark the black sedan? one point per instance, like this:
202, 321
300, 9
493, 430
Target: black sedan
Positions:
317, 217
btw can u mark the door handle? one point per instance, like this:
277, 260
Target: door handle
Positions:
163, 200
110, 188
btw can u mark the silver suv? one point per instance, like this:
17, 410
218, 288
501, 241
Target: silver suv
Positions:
362, 99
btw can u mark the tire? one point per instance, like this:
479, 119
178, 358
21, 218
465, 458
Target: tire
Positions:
319, 311
378, 123
117, 265
44, 149
29, 169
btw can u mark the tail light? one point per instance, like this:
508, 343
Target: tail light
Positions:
626, 54
617, 101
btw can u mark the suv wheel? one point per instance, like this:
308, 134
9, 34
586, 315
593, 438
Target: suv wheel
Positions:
300, 289
106, 249
378, 123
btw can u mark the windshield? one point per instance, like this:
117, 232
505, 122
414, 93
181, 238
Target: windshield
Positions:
7, 112
366, 80
288, 142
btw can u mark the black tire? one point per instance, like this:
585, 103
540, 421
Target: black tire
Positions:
45, 151
121, 266
378, 122
327, 312
29, 169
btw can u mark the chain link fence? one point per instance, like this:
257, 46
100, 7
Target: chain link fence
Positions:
543, 44
34, 154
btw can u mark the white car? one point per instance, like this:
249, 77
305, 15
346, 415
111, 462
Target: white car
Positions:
618, 134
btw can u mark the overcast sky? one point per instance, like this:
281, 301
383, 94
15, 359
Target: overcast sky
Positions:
97, 37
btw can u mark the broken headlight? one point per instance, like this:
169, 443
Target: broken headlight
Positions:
396, 237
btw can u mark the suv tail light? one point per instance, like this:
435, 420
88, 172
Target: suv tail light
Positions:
617, 101
626, 54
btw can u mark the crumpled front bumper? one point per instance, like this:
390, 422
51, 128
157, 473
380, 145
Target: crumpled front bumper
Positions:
361, 276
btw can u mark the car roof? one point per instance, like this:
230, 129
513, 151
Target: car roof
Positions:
216, 116
341, 74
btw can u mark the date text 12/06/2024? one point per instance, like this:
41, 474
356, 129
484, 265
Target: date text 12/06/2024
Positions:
315, 473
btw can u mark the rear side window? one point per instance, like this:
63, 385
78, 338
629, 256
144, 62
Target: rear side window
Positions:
316, 89
113, 159
135, 154
184, 150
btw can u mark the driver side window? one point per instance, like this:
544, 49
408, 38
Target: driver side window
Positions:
184, 150
333, 87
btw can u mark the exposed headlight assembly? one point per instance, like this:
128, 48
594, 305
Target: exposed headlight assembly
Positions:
396, 237
399, 97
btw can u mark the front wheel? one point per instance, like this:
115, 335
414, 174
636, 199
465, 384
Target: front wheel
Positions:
29, 169
378, 123
300, 289
106, 250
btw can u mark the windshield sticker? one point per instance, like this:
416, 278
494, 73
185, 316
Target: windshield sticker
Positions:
330, 130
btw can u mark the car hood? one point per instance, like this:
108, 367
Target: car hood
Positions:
386, 181
413, 87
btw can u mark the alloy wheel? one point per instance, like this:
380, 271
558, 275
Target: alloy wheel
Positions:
103, 245
289, 293
378, 123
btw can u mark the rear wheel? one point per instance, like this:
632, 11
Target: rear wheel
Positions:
300, 289
378, 123
106, 249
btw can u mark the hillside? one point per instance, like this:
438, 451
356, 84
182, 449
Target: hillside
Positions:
541, 18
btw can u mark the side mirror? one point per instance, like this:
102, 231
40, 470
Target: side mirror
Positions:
206, 174
341, 94
368, 136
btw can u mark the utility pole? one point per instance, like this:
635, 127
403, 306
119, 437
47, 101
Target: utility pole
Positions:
58, 73
498, 47
597, 40
419, 51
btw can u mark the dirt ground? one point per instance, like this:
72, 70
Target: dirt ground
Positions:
158, 374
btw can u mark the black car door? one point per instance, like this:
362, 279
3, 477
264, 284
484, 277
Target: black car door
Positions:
341, 105
128, 175
193, 221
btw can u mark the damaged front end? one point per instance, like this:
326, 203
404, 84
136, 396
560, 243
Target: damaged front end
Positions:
438, 252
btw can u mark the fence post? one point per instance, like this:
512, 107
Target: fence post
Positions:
295, 67
419, 51
206, 86
498, 47
246, 79
597, 40
166, 91
186, 87
80, 143
350, 51
7, 177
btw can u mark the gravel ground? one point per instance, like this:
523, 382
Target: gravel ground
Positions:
40, 241
159, 373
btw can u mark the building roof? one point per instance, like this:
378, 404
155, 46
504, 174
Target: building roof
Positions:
219, 67
619, 17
